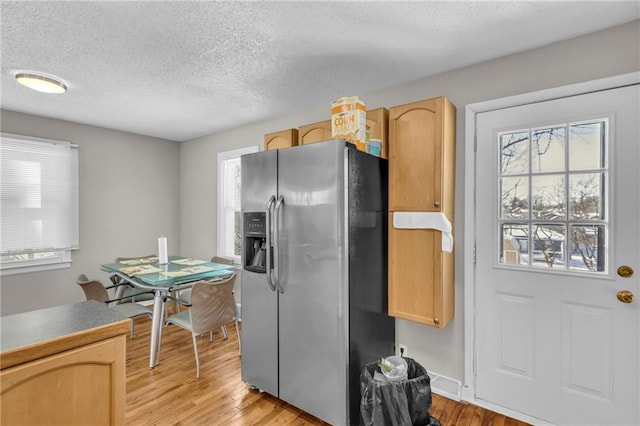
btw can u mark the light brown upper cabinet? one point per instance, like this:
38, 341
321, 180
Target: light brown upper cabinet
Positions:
421, 179
281, 139
422, 156
377, 124
316, 132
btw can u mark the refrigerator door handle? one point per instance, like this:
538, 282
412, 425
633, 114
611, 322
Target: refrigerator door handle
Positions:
276, 246
269, 214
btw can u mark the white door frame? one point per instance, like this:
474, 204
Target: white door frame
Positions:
471, 111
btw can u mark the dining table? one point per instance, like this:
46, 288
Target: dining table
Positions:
148, 275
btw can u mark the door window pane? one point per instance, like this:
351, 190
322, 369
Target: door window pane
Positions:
587, 247
586, 196
586, 146
547, 150
548, 197
514, 158
515, 197
515, 244
548, 246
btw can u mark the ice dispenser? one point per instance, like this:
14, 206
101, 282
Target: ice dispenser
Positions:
255, 242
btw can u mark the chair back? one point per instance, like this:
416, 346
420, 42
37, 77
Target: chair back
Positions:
212, 304
93, 289
226, 261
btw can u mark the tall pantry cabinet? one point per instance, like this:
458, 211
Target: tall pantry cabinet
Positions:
421, 187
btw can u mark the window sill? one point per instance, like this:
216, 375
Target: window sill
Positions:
61, 260
34, 268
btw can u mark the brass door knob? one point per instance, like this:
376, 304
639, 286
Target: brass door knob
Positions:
625, 271
625, 296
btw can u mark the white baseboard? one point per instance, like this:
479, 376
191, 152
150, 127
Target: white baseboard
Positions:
445, 386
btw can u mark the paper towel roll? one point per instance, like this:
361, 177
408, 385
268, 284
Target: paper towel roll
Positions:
162, 251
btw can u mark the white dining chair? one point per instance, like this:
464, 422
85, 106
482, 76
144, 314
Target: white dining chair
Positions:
211, 305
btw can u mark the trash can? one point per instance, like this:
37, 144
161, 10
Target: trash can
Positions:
396, 402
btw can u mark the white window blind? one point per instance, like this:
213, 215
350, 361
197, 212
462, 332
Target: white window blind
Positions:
229, 186
39, 196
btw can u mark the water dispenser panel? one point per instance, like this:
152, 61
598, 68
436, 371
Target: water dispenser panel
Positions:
255, 224
255, 242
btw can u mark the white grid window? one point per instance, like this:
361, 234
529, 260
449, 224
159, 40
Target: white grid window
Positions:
553, 184
229, 219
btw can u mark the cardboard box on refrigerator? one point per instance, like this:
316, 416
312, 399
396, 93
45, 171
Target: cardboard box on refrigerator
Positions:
349, 120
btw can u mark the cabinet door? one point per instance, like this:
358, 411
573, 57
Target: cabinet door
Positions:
421, 286
282, 139
377, 125
422, 156
316, 132
83, 386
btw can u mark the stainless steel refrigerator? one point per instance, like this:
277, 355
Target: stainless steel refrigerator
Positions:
314, 285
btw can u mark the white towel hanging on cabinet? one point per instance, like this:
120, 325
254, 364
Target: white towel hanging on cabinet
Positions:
426, 220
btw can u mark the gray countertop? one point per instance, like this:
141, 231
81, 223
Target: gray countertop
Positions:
36, 326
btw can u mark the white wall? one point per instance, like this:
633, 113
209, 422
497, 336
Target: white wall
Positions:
610, 52
128, 197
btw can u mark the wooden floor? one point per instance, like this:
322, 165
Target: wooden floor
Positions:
170, 394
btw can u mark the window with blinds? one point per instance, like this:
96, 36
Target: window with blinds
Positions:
39, 203
229, 219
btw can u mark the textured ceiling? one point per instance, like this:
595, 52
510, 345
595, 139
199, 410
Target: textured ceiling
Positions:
179, 70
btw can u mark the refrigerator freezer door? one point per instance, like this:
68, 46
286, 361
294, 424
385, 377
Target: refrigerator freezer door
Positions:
259, 302
371, 330
313, 305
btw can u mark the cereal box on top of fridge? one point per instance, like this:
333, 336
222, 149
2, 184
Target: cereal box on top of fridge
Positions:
349, 120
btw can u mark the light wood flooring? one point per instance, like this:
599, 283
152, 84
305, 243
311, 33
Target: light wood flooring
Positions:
170, 394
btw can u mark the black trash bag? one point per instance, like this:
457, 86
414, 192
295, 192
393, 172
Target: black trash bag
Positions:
396, 403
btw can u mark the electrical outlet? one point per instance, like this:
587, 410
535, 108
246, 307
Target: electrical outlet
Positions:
403, 350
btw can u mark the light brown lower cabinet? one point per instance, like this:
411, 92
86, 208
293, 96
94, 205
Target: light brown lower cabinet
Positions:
421, 281
64, 365
82, 386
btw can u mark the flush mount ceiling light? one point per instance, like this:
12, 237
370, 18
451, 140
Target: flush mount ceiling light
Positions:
41, 83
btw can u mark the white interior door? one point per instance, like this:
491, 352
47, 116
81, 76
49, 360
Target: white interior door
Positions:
557, 203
